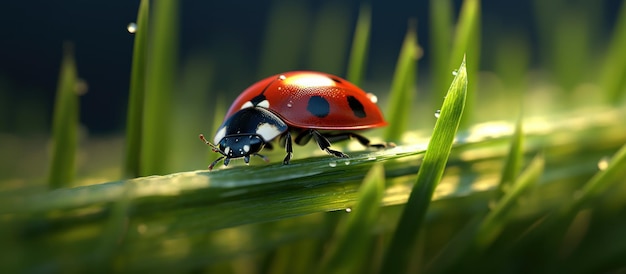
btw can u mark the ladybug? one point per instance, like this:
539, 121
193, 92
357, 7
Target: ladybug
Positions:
307, 104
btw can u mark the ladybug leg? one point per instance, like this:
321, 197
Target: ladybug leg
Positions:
267, 160
304, 137
324, 144
288, 149
215, 162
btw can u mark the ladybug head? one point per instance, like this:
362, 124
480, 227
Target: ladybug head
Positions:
236, 146
245, 133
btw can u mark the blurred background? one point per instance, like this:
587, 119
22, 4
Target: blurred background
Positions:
226, 46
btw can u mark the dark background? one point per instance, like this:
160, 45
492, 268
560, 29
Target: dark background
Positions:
230, 32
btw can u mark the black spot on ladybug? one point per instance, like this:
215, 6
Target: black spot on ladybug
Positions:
318, 106
357, 107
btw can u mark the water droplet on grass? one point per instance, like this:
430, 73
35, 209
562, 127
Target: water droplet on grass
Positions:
603, 163
348, 210
332, 164
347, 162
455, 72
437, 113
132, 27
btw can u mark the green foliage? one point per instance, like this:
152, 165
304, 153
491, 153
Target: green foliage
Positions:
403, 87
474, 205
513, 162
134, 123
161, 62
429, 175
614, 70
360, 45
353, 239
440, 43
65, 124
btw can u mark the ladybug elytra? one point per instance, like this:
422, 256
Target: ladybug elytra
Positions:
308, 104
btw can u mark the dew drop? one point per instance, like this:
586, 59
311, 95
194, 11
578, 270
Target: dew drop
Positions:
372, 98
290, 104
132, 27
282, 77
371, 158
348, 210
347, 162
603, 163
332, 164
455, 72
437, 113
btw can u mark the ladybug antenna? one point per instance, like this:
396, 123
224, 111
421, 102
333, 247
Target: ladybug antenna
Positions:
214, 148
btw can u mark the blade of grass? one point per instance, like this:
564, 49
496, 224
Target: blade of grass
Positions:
469, 245
329, 44
467, 41
65, 124
360, 45
160, 73
566, 40
513, 161
600, 182
614, 71
440, 46
552, 233
428, 176
352, 239
195, 111
403, 87
284, 17
137, 91
171, 213
457, 249
493, 223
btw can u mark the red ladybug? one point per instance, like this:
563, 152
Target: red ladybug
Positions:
308, 104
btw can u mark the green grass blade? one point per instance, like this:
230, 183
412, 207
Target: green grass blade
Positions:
554, 232
360, 45
160, 76
613, 173
328, 47
440, 46
195, 111
348, 251
284, 17
467, 41
614, 73
428, 176
468, 246
402, 87
513, 162
137, 91
567, 40
65, 124
177, 221
493, 223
